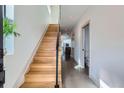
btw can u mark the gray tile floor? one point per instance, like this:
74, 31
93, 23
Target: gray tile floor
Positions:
73, 78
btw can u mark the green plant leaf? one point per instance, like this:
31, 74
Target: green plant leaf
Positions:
9, 28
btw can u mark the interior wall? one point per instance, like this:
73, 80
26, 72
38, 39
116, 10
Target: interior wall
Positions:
106, 43
78, 44
54, 18
32, 22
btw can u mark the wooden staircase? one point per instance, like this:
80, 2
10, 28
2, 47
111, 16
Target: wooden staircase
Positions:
42, 73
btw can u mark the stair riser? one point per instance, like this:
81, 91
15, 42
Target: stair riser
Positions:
41, 54
40, 68
52, 30
44, 64
45, 69
42, 72
51, 37
51, 34
49, 59
49, 44
48, 40
46, 49
43, 60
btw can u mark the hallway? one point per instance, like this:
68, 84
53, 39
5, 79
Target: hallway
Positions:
73, 78
33, 49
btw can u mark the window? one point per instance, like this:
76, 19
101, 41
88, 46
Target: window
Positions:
9, 40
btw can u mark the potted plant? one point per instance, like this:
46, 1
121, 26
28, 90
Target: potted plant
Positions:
8, 30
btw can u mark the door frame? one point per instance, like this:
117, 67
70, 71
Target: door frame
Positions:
83, 45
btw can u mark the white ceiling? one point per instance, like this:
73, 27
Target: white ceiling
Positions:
70, 14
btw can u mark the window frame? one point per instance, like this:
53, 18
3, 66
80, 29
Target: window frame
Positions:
9, 51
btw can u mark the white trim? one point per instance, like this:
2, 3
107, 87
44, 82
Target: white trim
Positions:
103, 84
21, 79
96, 82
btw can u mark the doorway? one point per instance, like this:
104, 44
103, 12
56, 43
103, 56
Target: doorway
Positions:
86, 47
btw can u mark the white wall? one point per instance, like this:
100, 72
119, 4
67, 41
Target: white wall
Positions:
77, 44
106, 43
32, 22
54, 18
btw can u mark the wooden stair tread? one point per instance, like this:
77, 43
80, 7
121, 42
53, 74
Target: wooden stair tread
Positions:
51, 34
51, 44
45, 55
38, 85
40, 77
43, 72
41, 57
50, 37
44, 63
42, 68
44, 59
48, 41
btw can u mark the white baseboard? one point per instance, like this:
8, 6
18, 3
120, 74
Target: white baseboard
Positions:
19, 82
21, 79
103, 84
94, 81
